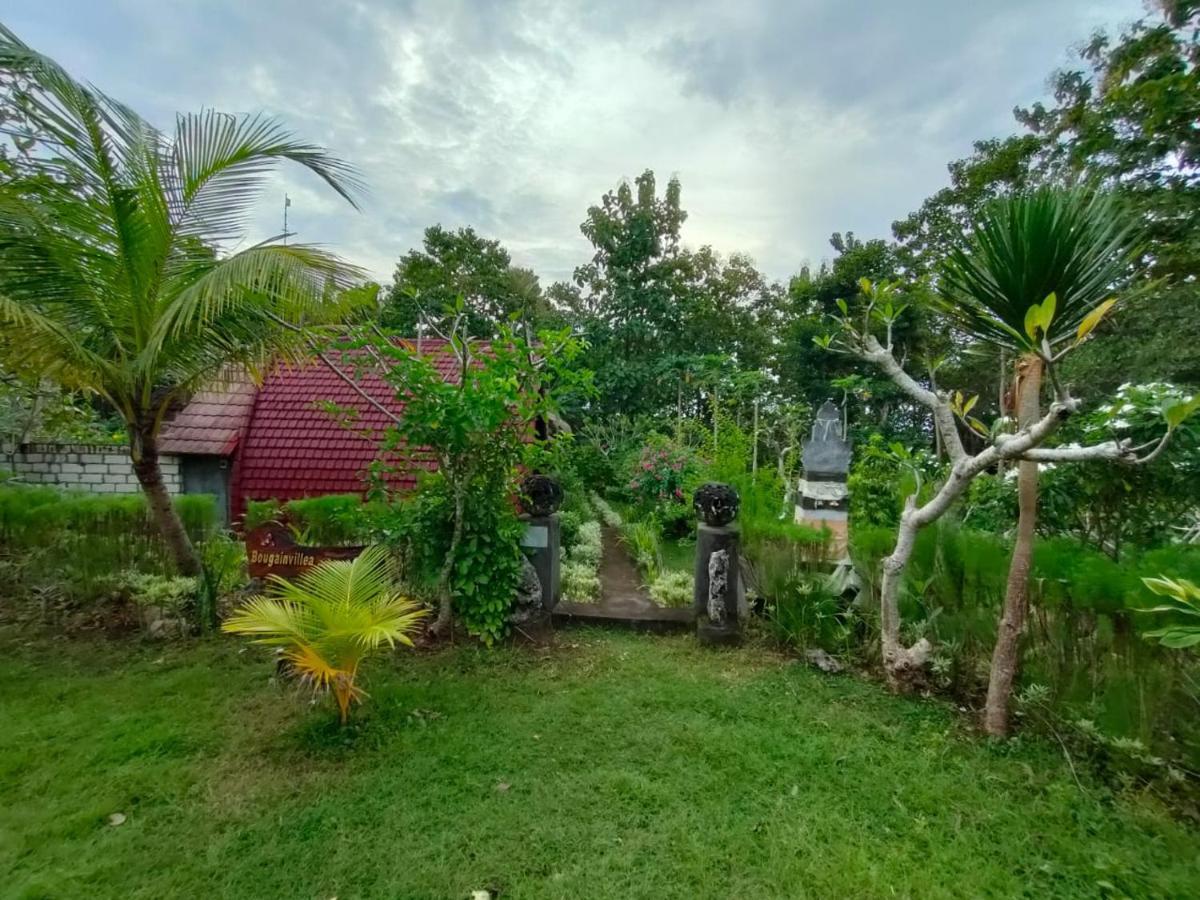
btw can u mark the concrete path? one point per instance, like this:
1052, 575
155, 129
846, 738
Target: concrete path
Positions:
623, 599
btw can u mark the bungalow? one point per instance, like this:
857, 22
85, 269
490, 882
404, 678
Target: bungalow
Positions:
277, 440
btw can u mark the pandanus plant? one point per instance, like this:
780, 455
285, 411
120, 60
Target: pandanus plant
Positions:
330, 620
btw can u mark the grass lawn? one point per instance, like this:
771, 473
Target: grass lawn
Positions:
613, 765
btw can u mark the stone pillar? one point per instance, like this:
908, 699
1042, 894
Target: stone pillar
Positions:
718, 572
541, 542
822, 499
540, 499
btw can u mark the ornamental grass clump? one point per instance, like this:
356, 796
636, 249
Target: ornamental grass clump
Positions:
330, 620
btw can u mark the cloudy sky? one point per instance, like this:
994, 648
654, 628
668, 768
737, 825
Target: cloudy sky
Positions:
785, 120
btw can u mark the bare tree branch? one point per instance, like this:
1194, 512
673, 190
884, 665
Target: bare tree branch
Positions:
943, 418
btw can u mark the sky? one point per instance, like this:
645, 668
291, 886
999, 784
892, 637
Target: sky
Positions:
785, 120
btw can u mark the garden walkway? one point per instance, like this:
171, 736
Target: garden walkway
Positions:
623, 599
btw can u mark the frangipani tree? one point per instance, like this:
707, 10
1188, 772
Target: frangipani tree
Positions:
112, 277
1035, 277
1046, 330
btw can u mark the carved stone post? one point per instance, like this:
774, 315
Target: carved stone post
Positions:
718, 574
541, 497
822, 500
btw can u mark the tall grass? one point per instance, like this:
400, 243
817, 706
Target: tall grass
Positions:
76, 543
1083, 655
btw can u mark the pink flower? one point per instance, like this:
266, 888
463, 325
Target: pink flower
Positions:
679, 493
646, 466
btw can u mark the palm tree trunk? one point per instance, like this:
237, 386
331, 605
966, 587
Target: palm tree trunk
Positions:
144, 452
445, 594
1006, 656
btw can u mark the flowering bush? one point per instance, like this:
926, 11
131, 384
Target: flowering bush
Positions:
659, 476
672, 589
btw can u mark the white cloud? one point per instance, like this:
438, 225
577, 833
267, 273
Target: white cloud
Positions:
785, 121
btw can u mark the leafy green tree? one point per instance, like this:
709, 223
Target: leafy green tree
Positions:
1123, 119
652, 311
455, 264
628, 309
477, 427
1114, 508
1127, 119
810, 375
109, 283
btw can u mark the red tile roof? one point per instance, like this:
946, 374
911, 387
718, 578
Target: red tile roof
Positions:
212, 422
292, 447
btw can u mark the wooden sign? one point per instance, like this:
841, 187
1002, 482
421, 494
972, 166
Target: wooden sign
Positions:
271, 550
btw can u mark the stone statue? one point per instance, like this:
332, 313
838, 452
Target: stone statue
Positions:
822, 499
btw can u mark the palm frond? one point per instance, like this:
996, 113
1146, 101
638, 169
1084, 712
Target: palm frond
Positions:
272, 620
291, 280
1075, 244
110, 262
220, 161
356, 583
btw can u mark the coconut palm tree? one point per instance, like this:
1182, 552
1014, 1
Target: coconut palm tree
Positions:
1037, 274
330, 620
118, 273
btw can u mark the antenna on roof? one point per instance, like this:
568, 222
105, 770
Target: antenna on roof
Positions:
287, 201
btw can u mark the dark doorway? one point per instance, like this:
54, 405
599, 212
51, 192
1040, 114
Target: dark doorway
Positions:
208, 475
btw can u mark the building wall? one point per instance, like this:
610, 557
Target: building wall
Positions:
98, 468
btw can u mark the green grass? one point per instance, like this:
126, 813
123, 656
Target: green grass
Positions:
635, 766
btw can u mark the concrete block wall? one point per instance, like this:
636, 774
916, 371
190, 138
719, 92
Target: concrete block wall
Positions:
98, 468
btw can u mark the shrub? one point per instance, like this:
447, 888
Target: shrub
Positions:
672, 589
488, 563
261, 512
163, 600
658, 476
589, 546
580, 583
806, 612
330, 620
330, 520
569, 523
608, 515
224, 559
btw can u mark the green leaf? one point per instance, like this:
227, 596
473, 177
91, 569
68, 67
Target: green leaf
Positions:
843, 306
1033, 317
1049, 305
1179, 412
